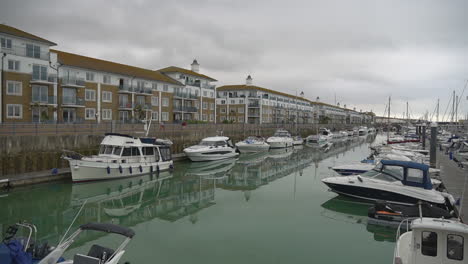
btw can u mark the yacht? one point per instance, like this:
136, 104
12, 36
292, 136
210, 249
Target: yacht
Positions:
324, 135
362, 131
120, 156
395, 181
431, 241
298, 140
252, 144
281, 139
211, 148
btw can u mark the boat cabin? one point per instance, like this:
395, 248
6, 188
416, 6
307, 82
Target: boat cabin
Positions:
282, 133
127, 149
438, 241
409, 173
324, 132
216, 142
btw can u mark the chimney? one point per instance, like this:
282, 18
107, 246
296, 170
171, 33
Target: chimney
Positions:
318, 99
195, 66
248, 81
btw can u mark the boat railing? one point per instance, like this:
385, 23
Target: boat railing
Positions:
406, 223
68, 154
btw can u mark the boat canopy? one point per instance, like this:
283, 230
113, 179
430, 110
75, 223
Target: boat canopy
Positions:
414, 174
109, 228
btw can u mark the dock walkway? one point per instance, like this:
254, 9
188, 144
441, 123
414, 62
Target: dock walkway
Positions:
454, 178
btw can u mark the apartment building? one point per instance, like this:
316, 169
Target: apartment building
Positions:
40, 84
195, 100
256, 105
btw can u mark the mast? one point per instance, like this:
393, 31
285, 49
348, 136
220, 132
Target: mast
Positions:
453, 106
456, 110
437, 117
388, 120
407, 114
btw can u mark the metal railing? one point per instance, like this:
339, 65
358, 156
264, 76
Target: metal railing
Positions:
144, 106
254, 104
22, 51
185, 95
37, 99
72, 81
52, 78
126, 88
72, 100
143, 90
125, 105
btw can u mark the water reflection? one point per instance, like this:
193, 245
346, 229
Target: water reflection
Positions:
168, 196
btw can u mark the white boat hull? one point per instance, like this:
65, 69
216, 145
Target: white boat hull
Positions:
284, 144
204, 156
83, 171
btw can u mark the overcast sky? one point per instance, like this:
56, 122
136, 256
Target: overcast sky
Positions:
360, 51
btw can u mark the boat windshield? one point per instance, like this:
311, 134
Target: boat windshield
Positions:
106, 149
212, 143
378, 175
282, 134
386, 173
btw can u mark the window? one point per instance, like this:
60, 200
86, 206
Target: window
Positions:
165, 116
223, 118
126, 152
455, 247
415, 175
107, 96
6, 43
395, 171
123, 115
90, 95
14, 88
90, 76
211, 117
223, 101
117, 151
240, 110
205, 117
165, 88
33, 51
224, 93
154, 100
90, 114
223, 110
197, 104
135, 151
154, 86
140, 84
205, 105
148, 151
106, 114
13, 65
40, 94
106, 79
233, 101
14, 111
196, 116
140, 99
205, 93
165, 101
240, 119
155, 116
39, 72
211, 95
212, 106
165, 153
429, 244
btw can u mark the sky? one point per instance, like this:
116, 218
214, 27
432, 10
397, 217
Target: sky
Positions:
356, 53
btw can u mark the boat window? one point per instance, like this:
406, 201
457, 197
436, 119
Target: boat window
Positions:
108, 150
220, 143
384, 177
165, 154
148, 151
429, 244
207, 143
102, 149
455, 247
415, 175
156, 154
395, 171
127, 152
371, 173
117, 151
135, 151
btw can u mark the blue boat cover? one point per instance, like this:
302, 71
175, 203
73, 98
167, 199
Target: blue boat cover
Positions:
426, 180
12, 253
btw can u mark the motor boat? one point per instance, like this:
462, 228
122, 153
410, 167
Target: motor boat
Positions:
430, 241
120, 156
252, 144
212, 148
298, 140
324, 135
362, 131
366, 164
25, 250
400, 182
350, 132
371, 130
281, 139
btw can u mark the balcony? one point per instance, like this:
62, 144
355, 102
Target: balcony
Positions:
43, 100
185, 95
189, 109
255, 104
22, 51
141, 90
126, 88
47, 79
72, 101
144, 106
208, 86
72, 82
125, 105
193, 83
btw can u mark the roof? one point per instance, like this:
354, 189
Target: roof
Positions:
445, 225
19, 33
84, 62
182, 70
218, 138
426, 182
109, 228
253, 87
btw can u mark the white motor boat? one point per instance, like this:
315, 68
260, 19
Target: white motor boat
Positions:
394, 181
120, 156
211, 148
32, 252
298, 140
431, 241
362, 131
252, 144
281, 139
323, 136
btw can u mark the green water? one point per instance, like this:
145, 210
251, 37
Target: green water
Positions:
263, 208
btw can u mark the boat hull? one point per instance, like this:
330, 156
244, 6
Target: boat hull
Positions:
210, 156
83, 171
284, 144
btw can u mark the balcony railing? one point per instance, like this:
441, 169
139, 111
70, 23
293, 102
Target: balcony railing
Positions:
196, 84
72, 81
21, 51
256, 104
72, 100
143, 90
209, 86
144, 106
51, 78
125, 105
185, 95
38, 99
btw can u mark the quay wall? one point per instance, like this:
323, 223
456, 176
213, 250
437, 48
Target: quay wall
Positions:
32, 148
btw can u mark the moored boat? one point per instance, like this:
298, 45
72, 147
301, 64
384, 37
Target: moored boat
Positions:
281, 139
252, 144
211, 148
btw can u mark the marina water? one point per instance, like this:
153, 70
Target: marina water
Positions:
261, 208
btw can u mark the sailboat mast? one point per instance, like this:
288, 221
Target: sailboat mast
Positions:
453, 106
388, 120
438, 102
